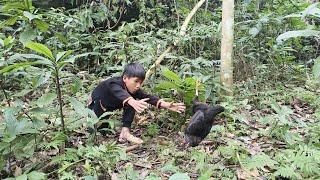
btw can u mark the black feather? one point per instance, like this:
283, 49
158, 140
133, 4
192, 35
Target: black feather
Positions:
201, 122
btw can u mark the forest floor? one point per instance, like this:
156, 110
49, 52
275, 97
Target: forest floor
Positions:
261, 134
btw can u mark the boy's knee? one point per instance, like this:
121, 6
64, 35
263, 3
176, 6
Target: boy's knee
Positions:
128, 115
129, 110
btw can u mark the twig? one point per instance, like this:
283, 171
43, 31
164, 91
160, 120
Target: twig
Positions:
5, 94
183, 31
130, 148
120, 16
144, 166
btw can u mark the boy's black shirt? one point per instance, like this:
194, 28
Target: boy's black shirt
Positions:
113, 94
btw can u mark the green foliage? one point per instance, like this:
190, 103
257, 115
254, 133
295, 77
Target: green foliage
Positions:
294, 34
259, 161
177, 176
267, 130
182, 89
316, 68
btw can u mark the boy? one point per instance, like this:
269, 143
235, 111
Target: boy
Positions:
123, 92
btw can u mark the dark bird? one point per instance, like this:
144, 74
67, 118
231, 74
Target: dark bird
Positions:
201, 122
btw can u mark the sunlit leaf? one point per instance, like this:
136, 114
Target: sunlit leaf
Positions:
28, 35
171, 75
43, 26
73, 58
22, 177
29, 15
179, 176
41, 79
316, 68
40, 48
35, 175
46, 99
8, 41
64, 54
78, 106
299, 33
16, 66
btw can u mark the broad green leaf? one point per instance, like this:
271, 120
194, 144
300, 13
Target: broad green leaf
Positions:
73, 58
35, 175
316, 68
179, 176
40, 48
254, 31
1, 42
46, 99
299, 33
64, 54
167, 85
9, 22
61, 38
13, 67
22, 177
78, 106
28, 4
76, 85
8, 41
28, 35
40, 79
43, 26
29, 15
171, 76
14, 5
311, 10
22, 57
15, 127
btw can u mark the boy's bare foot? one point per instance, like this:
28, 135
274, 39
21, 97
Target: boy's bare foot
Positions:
126, 136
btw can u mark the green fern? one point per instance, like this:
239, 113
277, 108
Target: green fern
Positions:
287, 172
307, 160
259, 161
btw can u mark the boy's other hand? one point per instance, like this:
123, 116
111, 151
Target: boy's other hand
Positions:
177, 107
140, 105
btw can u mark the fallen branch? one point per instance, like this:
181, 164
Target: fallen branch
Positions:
148, 166
130, 148
183, 31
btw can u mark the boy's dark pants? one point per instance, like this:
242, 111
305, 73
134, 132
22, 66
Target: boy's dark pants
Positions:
128, 114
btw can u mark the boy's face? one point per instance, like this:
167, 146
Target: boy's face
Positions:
133, 84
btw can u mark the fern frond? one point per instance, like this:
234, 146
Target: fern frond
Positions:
259, 161
287, 172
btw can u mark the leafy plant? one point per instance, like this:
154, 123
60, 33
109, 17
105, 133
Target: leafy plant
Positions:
182, 89
55, 64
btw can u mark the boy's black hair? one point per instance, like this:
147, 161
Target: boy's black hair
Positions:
134, 70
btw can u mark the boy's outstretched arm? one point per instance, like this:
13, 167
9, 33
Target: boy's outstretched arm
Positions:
176, 107
138, 105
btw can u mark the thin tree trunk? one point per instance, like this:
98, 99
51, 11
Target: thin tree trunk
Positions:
227, 45
60, 105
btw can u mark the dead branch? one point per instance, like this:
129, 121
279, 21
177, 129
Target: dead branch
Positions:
130, 148
183, 31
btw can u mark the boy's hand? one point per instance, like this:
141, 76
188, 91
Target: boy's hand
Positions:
140, 105
177, 107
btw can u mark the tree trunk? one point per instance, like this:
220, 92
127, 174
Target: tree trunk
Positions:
227, 45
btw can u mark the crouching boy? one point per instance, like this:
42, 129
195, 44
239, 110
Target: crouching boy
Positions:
124, 93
